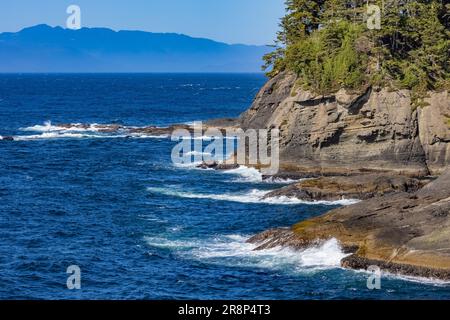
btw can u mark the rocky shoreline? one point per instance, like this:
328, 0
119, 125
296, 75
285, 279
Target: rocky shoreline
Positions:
373, 146
401, 232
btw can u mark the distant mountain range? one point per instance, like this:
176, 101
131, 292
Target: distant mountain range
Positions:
54, 49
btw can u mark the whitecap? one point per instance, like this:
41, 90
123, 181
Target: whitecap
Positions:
75, 127
246, 174
414, 279
253, 196
57, 134
196, 153
234, 250
275, 180
147, 136
67, 135
208, 138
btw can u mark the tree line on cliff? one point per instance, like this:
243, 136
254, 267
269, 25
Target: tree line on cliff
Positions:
328, 44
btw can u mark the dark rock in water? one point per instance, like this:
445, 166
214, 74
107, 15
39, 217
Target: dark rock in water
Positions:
8, 138
208, 165
362, 186
281, 237
110, 128
227, 166
217, 166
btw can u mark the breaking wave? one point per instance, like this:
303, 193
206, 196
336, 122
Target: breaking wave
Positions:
251, 175
246, 174
49, 131
75, 127
71, 135
235, 251
57, 135
253, 196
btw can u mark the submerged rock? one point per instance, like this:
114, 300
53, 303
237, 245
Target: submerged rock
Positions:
208, 165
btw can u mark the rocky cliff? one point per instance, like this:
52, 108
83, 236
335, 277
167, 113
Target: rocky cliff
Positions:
376, 130
372, 145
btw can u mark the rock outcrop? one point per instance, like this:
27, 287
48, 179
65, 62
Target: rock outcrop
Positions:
363, 186
407, 233
376, 130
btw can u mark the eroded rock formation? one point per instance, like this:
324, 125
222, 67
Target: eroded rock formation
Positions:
376, 130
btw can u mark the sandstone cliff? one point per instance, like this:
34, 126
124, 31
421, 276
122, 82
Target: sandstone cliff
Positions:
364, 145
376, 130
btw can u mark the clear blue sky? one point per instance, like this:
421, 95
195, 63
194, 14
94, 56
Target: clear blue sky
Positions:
231, 21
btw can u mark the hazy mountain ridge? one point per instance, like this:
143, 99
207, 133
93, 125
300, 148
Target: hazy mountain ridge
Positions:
53, 49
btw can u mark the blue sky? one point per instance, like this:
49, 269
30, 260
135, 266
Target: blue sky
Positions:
231, 21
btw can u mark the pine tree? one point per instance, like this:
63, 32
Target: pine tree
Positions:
329, 46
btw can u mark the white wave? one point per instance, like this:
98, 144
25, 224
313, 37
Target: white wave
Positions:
147, 136
47, 127
209, 138
190, 85
414, 279
51, 135
196, 153
274, 180
246, 174
75, 127
222, 88
421, 280
67, 135
234, 250
253, 196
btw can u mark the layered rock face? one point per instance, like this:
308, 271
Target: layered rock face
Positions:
375, 146
377, 130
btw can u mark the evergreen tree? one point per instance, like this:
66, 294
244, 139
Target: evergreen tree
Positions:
329, 46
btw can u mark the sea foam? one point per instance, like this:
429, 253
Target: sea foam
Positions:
233, 250
76, 127
252, 196
245, 174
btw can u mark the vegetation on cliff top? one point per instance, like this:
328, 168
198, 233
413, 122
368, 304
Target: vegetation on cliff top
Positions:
328, 44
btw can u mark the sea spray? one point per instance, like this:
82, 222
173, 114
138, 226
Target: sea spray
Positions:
233, 250
253, 196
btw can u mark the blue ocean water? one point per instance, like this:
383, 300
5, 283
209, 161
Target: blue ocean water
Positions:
138, 226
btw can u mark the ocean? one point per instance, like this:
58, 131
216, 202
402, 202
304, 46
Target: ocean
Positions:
137, 225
